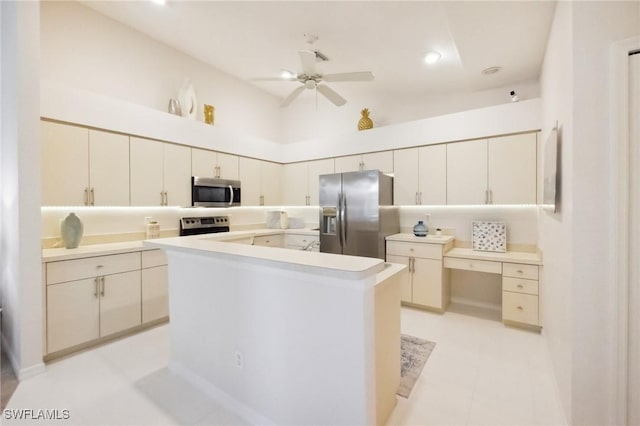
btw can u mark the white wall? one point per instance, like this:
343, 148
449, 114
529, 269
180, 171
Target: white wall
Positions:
556, 230
305, 120
578, 296
85, 50
21, 282
595, 26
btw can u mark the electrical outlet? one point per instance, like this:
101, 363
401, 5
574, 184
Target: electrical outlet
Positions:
239, 360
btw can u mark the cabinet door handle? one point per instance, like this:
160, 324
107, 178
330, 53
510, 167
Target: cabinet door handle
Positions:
416, 198
520, 308
520, 271
486, 196
95, 292
420, 198
520, 286
491, 196
86, 196
166, 198
93, 200
102, 288
262, 200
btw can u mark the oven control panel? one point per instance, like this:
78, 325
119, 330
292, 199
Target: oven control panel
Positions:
206, 222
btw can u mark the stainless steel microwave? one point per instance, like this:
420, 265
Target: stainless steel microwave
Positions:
211, 192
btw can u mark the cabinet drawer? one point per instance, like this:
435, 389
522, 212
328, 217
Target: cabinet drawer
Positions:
423, 250
151, 258
77, 269
269, 241
520, 270
473, 265
520, 285
299, 240
520, 307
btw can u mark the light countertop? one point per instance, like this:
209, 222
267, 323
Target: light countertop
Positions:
509, 256
430, 239
215, 245
56, 254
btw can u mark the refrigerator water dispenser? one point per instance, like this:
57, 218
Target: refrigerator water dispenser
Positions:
329, 217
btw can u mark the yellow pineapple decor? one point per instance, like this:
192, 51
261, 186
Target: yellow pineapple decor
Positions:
365, 122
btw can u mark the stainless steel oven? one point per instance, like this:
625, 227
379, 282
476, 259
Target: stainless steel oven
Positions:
211, 192
203, 225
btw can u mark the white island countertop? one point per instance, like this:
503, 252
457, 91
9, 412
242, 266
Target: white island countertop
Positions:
221, 245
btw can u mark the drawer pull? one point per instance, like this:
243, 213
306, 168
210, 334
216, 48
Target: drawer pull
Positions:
99, 266
520, 308
520, 286
520, 271
470, 265
410, 249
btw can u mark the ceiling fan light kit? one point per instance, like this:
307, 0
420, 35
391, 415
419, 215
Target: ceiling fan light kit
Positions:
311, 79
431, 57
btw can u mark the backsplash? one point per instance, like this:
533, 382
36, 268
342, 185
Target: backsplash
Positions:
103, 224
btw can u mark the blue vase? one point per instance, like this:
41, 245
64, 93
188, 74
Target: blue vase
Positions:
71, 230
420, 229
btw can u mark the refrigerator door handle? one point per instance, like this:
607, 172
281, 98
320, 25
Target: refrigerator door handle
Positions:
339, 220
343, 225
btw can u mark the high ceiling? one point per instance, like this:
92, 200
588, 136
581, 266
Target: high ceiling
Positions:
253, 40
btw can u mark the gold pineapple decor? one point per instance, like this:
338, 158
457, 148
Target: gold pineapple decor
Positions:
365, 122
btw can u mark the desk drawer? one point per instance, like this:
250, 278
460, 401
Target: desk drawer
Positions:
77, 269
520, 307
423, 250
473, 265
520, 270
520, 285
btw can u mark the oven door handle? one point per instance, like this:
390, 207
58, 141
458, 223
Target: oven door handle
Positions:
231, 198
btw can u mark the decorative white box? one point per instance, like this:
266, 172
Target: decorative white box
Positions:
489, 236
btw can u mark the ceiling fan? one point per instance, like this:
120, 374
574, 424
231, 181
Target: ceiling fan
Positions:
311, 79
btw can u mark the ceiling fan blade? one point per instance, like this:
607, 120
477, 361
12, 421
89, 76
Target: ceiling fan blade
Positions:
331, 95
292, 96
308, 61
349, 76
274, 79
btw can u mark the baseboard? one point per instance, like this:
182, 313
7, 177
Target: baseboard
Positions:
21, 373
220, 396
477, 304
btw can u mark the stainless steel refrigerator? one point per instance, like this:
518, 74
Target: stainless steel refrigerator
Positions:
357, 213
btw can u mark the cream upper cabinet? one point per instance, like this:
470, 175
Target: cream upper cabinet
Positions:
147, 163
499, 170
83, 167
160, 173
467, 172
382, 161
250, 194
432, 175
420, 176
213, 164
294, 184
405, 180
300, 182
350, 163
512, 169
270, 178
315, 169
260, 182
177, 175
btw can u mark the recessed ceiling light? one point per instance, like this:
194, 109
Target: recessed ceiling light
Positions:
491, 70
160, 2
431, 57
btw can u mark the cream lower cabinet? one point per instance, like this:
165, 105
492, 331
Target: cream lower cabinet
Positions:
155, 286
427, 282
91, 298
94, 297
520, 294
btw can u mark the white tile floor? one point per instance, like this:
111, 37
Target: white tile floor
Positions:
480, 373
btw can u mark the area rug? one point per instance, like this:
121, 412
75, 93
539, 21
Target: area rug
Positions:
414, 355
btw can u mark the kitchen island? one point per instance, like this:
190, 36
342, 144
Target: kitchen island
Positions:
285, 336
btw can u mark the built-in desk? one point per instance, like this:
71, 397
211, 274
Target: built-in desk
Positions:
520, 285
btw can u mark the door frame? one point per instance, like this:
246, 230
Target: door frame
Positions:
621, 182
